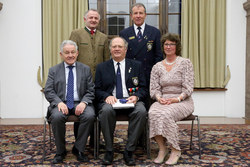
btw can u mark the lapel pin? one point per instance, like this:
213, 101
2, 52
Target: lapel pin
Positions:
129, 70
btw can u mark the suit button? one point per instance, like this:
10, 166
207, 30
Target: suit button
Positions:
134, 58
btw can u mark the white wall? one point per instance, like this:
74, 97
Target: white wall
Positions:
236, 58
230, 103
21, 54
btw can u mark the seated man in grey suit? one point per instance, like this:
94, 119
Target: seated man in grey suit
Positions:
120, 78
70, 90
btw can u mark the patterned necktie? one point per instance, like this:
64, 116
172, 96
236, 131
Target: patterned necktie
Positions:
119, 94
70, 89
92, 32
139, 34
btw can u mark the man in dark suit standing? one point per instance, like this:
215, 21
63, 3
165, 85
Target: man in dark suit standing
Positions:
143, 40
115, 79
70, 90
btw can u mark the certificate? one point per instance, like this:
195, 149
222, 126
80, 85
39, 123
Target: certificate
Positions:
119, 105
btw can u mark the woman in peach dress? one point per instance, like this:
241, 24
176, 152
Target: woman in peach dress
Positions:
171, 85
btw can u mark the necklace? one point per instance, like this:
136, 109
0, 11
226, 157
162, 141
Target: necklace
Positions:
172, 62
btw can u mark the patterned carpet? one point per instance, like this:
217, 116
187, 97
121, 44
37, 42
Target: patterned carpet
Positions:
222, 145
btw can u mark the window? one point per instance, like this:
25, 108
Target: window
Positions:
115, 14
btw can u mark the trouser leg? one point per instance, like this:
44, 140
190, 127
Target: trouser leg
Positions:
107, 118
136, 125
58, 120
86, 124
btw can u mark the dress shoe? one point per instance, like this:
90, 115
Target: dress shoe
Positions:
59, 158
161, 156
173, 159
79, 155
108, 158
128, 158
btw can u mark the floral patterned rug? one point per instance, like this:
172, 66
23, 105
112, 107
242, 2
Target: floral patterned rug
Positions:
222, 145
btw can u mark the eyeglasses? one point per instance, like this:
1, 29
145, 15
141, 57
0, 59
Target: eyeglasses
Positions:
170, 44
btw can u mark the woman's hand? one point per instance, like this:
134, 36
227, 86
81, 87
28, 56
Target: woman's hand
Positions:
167, 101
162, 100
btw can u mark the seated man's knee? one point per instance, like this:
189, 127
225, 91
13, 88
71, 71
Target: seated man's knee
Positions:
107, 109
88, 114
57, 116
142, 112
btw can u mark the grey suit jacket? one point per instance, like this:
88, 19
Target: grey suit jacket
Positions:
55, 88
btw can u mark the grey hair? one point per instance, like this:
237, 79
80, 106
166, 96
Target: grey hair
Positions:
94, 10
125, 42
138, 5
67, 42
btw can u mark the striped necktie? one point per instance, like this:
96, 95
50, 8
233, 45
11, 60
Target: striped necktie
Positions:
139, 34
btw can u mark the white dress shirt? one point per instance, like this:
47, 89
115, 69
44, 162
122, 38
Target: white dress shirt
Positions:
142, 29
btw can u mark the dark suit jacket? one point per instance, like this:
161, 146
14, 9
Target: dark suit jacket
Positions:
55, 88
148, 51
105, 79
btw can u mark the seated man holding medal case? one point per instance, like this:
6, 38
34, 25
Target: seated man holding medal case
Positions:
120, 79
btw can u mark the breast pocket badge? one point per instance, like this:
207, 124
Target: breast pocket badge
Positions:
149, 46
135, 81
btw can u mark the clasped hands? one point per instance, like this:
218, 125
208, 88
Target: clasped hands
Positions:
78, 111
112, 99
167, 101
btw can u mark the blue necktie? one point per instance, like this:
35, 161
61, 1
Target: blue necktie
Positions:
139, 34
119, 94
70, 89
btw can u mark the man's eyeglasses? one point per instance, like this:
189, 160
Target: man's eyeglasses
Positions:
170, 44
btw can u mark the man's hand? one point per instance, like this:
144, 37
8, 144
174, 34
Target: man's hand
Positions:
80, 108
132, 99
111, 100
63, 108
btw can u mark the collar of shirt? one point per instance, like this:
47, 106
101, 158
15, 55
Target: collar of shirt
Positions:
90, 29
66, 65
142, 28
122, 65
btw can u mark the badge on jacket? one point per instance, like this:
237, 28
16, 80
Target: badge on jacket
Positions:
132, 90
130, 38
135, 81
149, 45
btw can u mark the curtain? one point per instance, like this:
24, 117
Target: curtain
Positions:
60, 17
203, 36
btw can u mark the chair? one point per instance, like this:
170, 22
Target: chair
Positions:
193, 118
124, 117
71, 118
